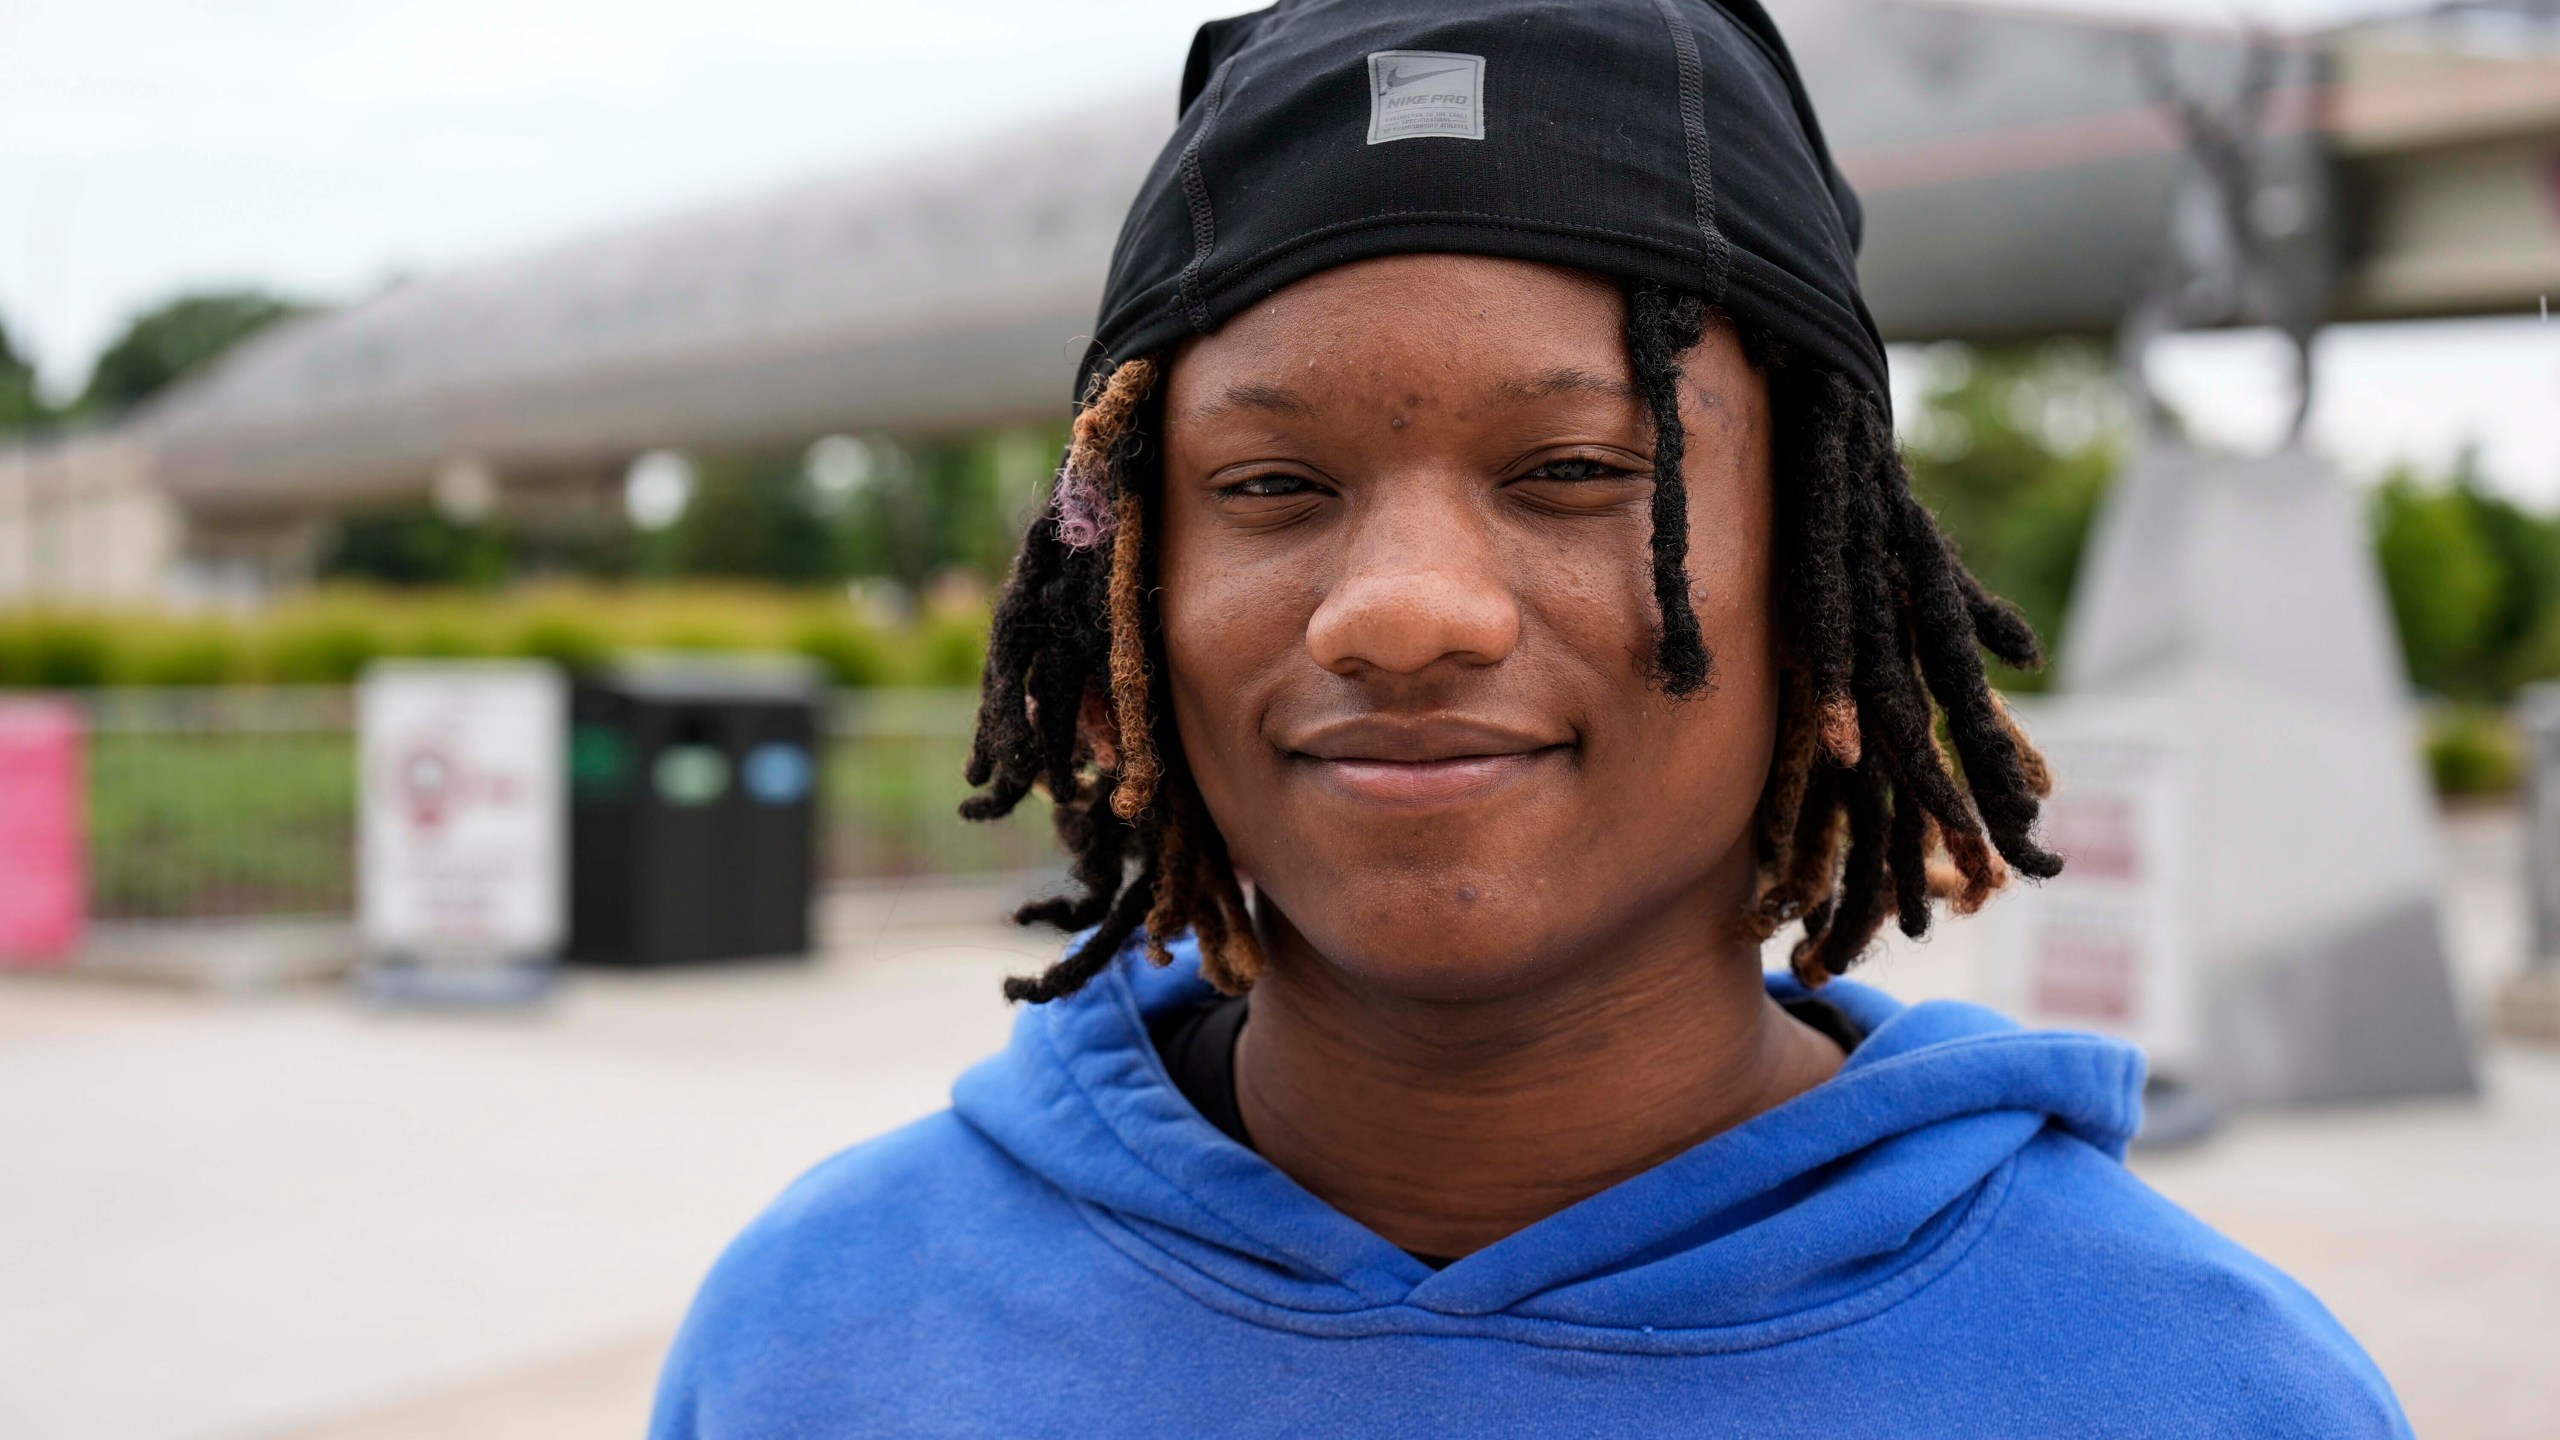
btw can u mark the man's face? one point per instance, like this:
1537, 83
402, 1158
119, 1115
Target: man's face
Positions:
1405, 583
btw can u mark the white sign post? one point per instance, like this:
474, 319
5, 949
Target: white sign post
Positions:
464, 831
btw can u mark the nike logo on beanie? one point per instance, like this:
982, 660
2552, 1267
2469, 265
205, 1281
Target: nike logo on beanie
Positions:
1393, 79
1450, 110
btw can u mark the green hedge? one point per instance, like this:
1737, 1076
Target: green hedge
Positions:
2473, 752
329, 636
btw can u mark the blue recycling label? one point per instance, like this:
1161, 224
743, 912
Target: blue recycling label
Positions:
778, 773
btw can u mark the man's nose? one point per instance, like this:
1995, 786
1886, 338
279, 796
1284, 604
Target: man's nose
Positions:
1422, 584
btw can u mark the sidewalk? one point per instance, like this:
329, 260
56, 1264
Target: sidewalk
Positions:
280, 1216
232, 1217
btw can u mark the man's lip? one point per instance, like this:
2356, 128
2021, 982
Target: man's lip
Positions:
1429, 782
1423, 760
1418, 740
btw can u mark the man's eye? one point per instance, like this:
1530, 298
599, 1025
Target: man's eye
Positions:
1266, 487
1576, 470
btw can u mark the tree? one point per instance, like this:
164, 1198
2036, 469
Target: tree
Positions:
2445, 583
754, 517
907, 513
2474, 582
958, 501
2013, 450
2527, 551
416, 547
20, 407
175, 340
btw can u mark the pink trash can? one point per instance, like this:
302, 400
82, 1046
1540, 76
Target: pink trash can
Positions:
44, 853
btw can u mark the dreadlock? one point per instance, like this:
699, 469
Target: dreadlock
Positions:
1882, 630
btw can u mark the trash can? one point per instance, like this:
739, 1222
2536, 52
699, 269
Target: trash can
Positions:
693, 826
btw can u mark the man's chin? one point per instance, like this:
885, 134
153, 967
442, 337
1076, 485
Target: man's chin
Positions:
1437, 958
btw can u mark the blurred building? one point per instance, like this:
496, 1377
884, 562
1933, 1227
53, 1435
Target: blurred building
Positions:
2023, 175
85, 519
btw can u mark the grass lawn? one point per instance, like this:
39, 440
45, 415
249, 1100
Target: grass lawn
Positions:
207, 825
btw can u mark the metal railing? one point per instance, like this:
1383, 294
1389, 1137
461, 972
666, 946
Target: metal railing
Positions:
894, 789
241, 801
216, 802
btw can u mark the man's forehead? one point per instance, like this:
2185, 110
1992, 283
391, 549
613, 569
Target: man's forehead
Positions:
1303, 400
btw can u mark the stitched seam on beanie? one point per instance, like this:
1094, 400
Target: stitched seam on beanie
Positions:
1693, 129
1195, 194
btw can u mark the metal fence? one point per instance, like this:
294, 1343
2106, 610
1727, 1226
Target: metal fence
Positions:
894, 789
221, 802
240, 801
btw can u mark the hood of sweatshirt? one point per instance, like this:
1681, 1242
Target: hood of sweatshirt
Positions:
1814, 1214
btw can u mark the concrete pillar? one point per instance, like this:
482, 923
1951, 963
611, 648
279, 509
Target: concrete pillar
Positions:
2237, 598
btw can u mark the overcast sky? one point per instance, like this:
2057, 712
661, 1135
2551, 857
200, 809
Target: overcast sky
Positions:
320, 147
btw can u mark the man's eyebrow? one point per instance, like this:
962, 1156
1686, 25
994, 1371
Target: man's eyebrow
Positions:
1565, 380
1248, 395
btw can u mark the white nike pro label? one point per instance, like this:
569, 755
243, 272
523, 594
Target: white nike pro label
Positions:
1417, 93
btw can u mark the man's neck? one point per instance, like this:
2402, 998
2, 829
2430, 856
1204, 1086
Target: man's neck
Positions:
1447, 1125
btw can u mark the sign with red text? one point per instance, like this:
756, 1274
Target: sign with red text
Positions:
464, 828
44, 853
2101, 946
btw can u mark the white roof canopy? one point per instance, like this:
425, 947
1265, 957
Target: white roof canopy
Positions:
2016, 169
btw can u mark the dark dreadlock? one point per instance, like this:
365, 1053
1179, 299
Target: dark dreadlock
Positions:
1879, 620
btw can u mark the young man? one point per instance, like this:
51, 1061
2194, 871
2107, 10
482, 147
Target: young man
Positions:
1482, 604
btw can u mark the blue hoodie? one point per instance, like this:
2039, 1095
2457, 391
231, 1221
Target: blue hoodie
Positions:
1940, 1241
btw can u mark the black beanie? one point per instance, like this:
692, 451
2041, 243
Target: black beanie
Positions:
1667, 140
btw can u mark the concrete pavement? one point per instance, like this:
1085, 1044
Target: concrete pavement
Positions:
244, 1216
281, 1216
